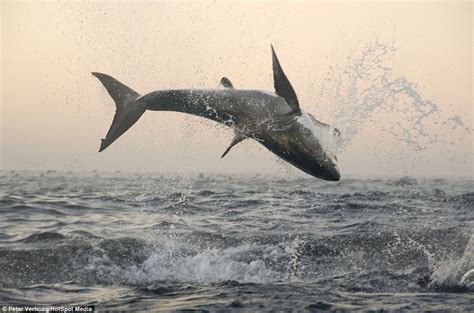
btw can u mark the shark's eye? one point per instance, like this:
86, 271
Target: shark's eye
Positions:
336, 132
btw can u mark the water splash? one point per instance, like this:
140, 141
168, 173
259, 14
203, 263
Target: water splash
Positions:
366, 87
457, 274
293, 250
170, 259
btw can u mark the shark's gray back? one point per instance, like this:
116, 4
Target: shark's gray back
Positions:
231, 107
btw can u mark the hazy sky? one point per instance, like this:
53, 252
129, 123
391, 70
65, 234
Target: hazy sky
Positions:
54, 113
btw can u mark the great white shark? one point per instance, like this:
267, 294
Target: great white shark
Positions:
275, 120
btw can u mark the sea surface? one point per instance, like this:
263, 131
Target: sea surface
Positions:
151, 242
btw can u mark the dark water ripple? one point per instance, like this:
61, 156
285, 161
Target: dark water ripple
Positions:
150, 242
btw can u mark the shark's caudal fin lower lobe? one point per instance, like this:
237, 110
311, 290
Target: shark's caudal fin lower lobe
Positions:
128, 110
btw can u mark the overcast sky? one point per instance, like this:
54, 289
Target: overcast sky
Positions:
54, 113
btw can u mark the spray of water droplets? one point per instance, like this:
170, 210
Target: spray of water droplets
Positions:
365, 87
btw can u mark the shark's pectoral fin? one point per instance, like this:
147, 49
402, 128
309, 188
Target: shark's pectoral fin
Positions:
237, 138
225, 82
283, 87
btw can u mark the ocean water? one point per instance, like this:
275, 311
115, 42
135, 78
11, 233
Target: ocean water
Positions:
150, 242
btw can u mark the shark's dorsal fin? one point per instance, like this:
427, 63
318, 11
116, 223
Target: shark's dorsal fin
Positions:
225, 82
283, 87
238, 137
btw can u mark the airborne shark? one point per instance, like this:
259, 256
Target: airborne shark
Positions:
273, 119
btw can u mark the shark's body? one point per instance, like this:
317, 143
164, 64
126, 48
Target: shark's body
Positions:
274, 120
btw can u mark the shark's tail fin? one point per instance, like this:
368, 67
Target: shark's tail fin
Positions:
128, 110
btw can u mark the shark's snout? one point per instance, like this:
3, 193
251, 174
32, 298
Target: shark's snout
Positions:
321, 167
333, 173
311, 159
